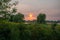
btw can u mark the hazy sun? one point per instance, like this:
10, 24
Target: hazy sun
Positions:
30, 16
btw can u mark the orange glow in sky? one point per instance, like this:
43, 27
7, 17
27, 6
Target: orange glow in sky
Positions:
30, 17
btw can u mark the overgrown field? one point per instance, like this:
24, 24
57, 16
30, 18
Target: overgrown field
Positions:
21, 31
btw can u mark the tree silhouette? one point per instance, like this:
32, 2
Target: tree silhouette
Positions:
41, 18
18, 17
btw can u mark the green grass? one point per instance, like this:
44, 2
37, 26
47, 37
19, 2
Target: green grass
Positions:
21, 31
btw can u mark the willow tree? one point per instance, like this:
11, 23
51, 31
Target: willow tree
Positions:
5, 8
41, 18
4, 5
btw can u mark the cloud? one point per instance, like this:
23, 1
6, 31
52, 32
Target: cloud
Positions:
50, 7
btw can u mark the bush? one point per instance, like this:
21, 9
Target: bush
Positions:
5, 32
20, 31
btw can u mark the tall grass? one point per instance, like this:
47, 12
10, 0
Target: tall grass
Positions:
21, 31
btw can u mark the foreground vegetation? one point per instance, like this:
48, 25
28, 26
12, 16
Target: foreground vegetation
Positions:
14, 28
20, 31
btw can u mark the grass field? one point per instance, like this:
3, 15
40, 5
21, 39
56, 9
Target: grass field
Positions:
33, 31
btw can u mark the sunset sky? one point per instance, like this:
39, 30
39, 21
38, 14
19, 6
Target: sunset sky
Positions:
50, 7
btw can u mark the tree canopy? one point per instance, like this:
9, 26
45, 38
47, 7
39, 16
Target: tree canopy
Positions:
17, 18
4, 5
41, 18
